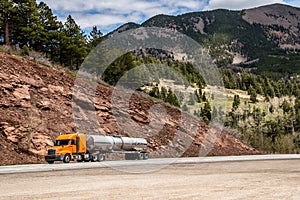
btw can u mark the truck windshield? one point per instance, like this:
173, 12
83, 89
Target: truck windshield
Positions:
62, 142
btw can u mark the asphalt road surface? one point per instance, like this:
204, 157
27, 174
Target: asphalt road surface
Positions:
242, 177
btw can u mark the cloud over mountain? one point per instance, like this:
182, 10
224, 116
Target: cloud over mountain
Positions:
107, 14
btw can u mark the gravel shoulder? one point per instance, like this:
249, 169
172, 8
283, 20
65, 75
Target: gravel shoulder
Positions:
275, 179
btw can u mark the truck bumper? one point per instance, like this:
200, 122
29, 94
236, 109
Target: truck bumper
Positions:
53, 158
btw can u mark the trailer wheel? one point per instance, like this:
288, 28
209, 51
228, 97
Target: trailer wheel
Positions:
145, 156
50, 162
101, 157
67, 158
128, 156
140, 156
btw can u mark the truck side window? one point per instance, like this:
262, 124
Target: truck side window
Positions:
73, 142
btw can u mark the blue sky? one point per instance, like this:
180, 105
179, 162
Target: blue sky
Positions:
109, 14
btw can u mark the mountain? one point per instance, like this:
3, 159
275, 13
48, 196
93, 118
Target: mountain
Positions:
264, 39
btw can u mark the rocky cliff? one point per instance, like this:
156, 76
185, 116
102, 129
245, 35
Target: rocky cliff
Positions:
36, 106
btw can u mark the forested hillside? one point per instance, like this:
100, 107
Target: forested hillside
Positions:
28, 25
257, 57
259, 110
263, 40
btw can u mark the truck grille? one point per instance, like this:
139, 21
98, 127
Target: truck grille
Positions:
51, 151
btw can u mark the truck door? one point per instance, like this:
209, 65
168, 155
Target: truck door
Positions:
77, 144
74, 146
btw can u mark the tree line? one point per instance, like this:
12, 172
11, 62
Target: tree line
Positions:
30, 25
258, 84
271, 128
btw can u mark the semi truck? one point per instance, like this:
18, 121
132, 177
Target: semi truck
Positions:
86, 147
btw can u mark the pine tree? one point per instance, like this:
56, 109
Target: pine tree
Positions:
163, 92
95, 37
74, 47
7, 11
253, 94
285, 106
297, 113
206, 112
198, 94
47, 40
236, 102
172, 99
154, 92
26, 27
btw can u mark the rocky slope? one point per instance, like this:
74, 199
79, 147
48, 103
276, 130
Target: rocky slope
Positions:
36, 106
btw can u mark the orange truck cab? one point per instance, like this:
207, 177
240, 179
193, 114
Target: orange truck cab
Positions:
66, 147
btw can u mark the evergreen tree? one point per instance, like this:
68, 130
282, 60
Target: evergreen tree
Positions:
95, 37
172, 99
271, 109
163, 92
74, 47
206, 112
26, 23
269, 90
253, 94
7, 11
297, 114
236, 102
47, 40
154, 92
198, 94
285, 106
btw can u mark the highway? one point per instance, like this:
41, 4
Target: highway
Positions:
235, 177
143, 165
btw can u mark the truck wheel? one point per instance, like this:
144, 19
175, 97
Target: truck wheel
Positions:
86, 159
81, 158
67, 158
94, 158
145, 156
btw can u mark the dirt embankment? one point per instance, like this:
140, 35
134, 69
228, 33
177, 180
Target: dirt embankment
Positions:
36, 106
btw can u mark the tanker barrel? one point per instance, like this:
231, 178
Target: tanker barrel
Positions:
134, 144
109, 143
99, 142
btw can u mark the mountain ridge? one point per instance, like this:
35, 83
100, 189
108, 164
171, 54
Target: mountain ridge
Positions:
241, 37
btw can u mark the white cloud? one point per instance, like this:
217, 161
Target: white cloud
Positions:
238, 4
107, 14
103, 20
